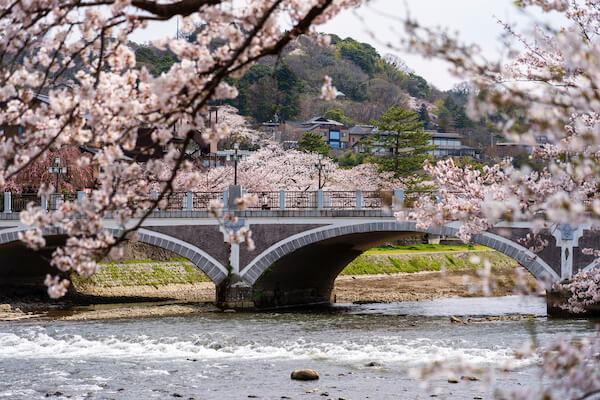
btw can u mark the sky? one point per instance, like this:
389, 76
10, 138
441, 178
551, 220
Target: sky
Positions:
475, 21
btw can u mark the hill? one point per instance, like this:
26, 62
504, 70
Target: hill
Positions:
289, 86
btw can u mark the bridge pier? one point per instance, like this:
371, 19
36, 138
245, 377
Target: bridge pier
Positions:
235, 293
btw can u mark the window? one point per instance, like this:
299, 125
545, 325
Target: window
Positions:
324, 133
335, 144
334, 135
353, 139
343, 134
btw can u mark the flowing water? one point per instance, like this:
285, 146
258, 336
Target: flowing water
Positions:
232, 356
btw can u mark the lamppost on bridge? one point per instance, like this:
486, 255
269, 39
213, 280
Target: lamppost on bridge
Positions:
320, 167
58, 170
237, 155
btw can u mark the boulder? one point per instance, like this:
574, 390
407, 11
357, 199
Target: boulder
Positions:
305, 375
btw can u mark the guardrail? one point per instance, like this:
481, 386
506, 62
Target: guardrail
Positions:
267, 200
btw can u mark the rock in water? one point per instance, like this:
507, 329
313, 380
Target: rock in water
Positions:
305, 374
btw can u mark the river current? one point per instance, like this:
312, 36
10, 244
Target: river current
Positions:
232, 356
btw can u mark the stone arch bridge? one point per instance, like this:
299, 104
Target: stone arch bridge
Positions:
300, 252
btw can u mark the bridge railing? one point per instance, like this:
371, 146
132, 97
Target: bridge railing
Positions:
299, 200
201, 200
267, 200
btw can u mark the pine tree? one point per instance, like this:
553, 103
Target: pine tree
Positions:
401, 133
313, 143
424, 116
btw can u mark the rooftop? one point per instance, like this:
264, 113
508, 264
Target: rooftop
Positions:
362, 130
321, 121
444, 135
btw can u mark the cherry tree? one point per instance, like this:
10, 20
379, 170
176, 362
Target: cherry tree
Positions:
44, 42
79, 176
273, 168
547, 88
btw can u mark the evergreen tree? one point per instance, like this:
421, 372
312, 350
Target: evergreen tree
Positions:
424, 116
400, 132
312, 143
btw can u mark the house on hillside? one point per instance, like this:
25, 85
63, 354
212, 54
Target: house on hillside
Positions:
334, 133
358, 132
449, 144
514, 149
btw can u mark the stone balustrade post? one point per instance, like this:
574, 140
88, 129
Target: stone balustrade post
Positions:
80, 196
189, 201
44, 203
359, 200
282, 199
438, 196
155, 197
225, 199
7, 202
320, 199
398, 200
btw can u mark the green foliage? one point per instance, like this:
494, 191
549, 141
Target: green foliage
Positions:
400, 131
362, 54
425, 248
417, 86
256, 72
313, 143
339, 116
424, 116
408, 263
156, 61
143, 273
452, 116
262, 93
350, 159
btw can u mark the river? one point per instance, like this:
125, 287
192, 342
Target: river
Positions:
234, 355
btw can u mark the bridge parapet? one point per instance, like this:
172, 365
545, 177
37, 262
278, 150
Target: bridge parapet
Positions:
267, 200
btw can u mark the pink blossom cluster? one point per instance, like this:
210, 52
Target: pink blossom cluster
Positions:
273, 168
547, 87
43, 43
583, 290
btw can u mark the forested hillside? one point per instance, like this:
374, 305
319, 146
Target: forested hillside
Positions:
289, 86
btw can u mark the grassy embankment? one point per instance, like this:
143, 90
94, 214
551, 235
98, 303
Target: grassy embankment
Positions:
143, 273
379, 260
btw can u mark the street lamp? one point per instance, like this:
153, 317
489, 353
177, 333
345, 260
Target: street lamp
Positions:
236, 156
58, 170
320, 167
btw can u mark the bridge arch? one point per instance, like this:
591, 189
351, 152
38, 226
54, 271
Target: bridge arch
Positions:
318, 246
205, 262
